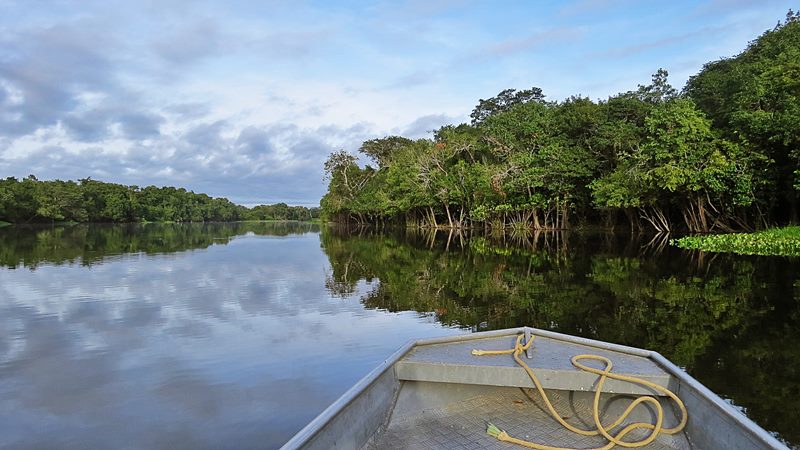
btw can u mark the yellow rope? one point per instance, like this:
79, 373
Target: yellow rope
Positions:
600, 428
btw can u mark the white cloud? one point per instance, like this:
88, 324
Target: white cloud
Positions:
246, 100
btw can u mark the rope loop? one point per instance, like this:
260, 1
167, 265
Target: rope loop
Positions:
600, 429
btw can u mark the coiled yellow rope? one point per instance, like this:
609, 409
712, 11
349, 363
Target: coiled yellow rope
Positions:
600, 428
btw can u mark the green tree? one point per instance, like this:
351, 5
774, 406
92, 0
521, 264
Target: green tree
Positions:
754, 100
503, 102
382, 150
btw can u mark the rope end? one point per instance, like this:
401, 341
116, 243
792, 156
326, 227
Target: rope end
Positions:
493, 431
477, 352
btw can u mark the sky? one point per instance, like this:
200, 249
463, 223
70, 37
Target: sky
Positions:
246, 99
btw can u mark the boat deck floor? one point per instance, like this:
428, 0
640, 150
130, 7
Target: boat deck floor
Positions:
521, 413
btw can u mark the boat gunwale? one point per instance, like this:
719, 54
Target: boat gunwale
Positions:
316, 425
738, 417
308, 432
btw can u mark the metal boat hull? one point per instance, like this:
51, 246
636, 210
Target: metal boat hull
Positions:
427, 396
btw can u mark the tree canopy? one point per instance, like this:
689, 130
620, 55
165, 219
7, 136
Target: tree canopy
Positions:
31, 200
723, 154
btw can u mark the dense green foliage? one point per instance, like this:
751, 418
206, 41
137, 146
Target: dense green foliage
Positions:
30, 200
720, 156
777, 242
281, 211
754, 99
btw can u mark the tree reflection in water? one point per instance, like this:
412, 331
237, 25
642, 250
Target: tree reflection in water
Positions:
87, 244
731, 321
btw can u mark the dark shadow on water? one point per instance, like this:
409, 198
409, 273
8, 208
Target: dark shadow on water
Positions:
731, 321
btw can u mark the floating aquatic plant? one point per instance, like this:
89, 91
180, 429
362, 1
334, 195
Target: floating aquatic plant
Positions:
773, 242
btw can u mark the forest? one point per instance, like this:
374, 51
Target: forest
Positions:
30, 200
720, 155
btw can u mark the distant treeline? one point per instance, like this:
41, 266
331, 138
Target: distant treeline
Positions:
30, 200
723, 154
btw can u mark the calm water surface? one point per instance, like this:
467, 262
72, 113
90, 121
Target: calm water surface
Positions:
236, 335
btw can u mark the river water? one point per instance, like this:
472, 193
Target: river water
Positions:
236, 335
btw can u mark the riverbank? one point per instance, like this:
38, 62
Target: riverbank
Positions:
315, 221
774, 242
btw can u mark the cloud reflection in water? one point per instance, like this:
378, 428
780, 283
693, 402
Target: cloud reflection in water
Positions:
235, 345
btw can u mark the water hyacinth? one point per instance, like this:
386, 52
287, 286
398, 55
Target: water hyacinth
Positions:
773, 242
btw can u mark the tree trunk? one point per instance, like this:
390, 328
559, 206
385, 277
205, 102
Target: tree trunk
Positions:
433, 218
449, 217
656, 218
